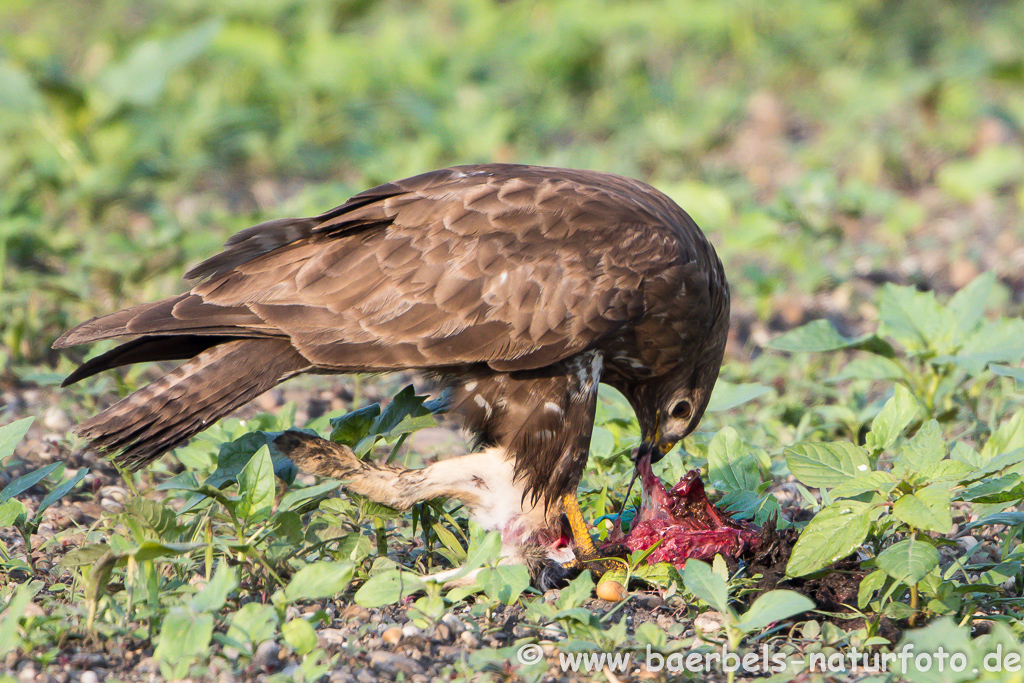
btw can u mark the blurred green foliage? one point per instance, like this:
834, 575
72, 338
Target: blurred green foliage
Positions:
137, 135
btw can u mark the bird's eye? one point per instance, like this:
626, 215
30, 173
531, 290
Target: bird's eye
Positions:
681, 410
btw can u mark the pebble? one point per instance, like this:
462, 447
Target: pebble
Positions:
89, 677
454, 623
392, 635
116, 493
708, 622
442, 633
330, 636
268, 654
56, 420
27, 675
393, 664
147, 665
410, 630
648, 600
469, 639
341, 676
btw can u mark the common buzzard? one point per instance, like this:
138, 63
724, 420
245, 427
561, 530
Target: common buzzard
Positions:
521, 287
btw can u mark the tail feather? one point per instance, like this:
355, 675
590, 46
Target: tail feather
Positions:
172, 409
144, 350
183, 314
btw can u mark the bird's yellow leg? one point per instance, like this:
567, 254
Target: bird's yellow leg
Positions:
585, 549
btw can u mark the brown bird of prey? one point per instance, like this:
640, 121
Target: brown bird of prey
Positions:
520, 287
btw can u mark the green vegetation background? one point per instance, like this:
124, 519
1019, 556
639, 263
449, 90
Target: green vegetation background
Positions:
814, 141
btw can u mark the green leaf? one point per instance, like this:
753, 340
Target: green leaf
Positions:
915, 320
12, 434
727, 395
1007, 463
881, 482
1009, 436
968, 305
350, 429
150, 550
909, 560
141, 77
256, 487
732, 464
19, 98
27, 481
871, 368
184, 640
750, 505
319, 580
821, 335
1012, 518
216, 592
483, 549
773, 606
944, 633
898, 412
928, 508
871, 583
299, 635
406, 413
922, 455
987, 171
12, 613
700, 580
300, 497
253, 623
578, 590
60, 491
834, 533
388, 587
504, 583
10, 511
824, 465
1006, 371
998, 341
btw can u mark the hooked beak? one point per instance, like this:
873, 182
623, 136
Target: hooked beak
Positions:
656, 447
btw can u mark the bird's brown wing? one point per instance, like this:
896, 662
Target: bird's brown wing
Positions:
516, 267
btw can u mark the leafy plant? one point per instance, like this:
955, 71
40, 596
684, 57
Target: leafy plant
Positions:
12, 511
711, 586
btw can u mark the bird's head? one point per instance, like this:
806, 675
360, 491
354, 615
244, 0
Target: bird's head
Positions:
670, 407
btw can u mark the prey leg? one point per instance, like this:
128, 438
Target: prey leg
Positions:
483, 482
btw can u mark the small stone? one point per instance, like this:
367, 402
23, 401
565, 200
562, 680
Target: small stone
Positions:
708, 622
442, 633
147, 665
454, 623
290, 671
63, 517
56, 420
267, 655
330, 636
648, 600
89, 677
469, 639
393, 664
116, 493
410, 630
364, 676
342, 675
392, 636
27, 675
